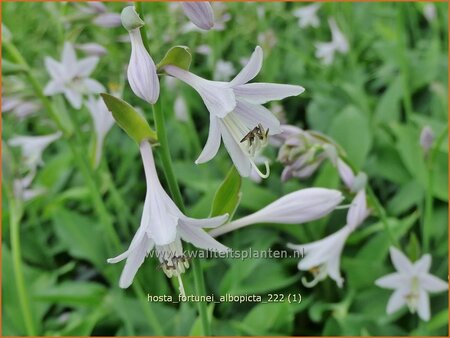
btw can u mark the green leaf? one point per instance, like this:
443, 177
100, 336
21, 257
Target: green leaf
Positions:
227, 197
179, 56
352, 131
72, 293
10, 68
388, 108
413, 249
129, 119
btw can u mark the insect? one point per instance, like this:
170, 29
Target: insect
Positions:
257, 132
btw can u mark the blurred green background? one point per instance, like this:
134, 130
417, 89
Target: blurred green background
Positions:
374, 101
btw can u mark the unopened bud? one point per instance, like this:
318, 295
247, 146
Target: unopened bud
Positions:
130, 18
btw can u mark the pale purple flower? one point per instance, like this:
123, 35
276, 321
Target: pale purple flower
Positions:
71, 76
412, 282
103, 121
107, 20
322, 258
180, 108
338, 43
19, 107
22, 189
295, 208
223, 71
426, 138
141, 71
200, 13
345, 173
236, 109
162, 227
307, 15
32, 147
92, 49
429, 11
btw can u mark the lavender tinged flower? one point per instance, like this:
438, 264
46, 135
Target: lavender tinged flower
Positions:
107, 20
200, 13
92, 49
141, 69
298, 207
162, 227
32, 147
426, 139
19, 107
338, 43
322, 257
236, 111
103, 121
71, 76
412, 282
307, 15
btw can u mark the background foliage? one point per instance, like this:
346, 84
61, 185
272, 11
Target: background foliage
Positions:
374, 101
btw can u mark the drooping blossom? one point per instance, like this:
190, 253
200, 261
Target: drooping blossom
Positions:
200, 13
307, 15
297, 207
71, 76
162, 228
411, 283
236, 112
32, 148
326, 50
323, 257
141, 71
103, 121
19, 106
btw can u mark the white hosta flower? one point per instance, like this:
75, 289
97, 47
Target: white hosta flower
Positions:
200, 13
162, 227
142, 70
92, 49
32, 147
426, 139
223, 71
339, 43
236, 112
103, 121
297, 207
22, 188
323, 257
71, 76
307, 15
345, 173
412, 282
429, 12
19, 107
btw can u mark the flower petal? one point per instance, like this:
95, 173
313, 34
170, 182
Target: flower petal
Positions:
53, 87
200, 239
212, 222
423, 265
93, 86
357, 212
240, 160
400, 261
108, 20
251, 69
134, 261
75, 99
86, 66
253, 114
213, 143
396, 301
219, 99
392, 281
432, 283
423, 306
200, 13
54, 68
69, 58
333, 268
346, 173
264, 92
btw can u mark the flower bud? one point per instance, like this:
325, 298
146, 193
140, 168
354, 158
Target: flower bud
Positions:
426, 138
200, 13
130, 19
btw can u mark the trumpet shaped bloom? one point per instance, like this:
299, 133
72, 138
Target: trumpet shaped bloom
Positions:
71, 76
307, 15
200, 13
338, 43
162, 228
32, 148
322, 257
236, 112
412, 282
103, 121
297, 207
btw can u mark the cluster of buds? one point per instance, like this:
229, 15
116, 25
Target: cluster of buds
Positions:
302, 152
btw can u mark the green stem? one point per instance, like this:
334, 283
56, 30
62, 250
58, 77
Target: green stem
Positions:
139, 8
15, 214
382, 215
176, 195
428, 213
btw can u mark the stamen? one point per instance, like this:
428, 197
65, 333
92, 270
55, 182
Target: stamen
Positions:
181, 286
